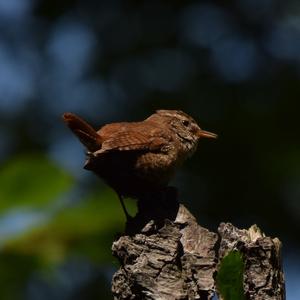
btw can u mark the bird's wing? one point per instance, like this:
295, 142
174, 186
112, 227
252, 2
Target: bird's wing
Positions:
133, 140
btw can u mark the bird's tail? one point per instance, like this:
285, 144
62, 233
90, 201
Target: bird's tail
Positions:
85, 132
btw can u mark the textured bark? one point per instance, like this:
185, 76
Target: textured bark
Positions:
176, 261
165, 254
263, 276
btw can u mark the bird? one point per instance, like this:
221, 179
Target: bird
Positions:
135, 158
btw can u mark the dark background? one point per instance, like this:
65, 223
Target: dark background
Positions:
233, 65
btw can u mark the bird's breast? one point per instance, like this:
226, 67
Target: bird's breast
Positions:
157, 167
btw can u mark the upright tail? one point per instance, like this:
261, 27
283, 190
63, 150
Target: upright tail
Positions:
85, 132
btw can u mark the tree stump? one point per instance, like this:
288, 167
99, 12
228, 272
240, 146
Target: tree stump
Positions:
165, 254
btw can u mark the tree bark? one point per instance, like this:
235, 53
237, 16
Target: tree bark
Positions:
263, 275
166, 255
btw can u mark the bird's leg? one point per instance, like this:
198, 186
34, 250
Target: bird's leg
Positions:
123, 206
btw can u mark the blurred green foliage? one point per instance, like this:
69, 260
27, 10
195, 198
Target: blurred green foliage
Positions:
31, 180
83, 228
15, 271
75, 230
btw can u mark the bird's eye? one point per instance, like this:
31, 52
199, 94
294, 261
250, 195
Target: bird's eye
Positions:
185, 122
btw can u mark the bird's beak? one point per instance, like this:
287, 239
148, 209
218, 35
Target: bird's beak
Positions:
206, 134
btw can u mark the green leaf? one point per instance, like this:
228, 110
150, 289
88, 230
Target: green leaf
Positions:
230, 276
31, 180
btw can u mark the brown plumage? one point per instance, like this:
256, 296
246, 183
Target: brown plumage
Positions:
137, 157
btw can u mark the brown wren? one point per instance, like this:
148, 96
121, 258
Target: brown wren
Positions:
135, 158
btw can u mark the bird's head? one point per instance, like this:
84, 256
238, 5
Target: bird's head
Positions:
185, 127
